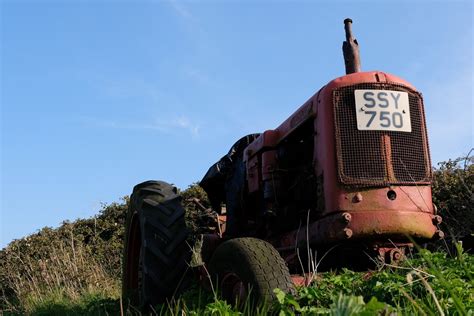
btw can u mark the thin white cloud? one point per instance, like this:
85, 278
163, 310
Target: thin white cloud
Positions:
190, 21
178, 123
169, 126
180, 9
196, 75
185, 123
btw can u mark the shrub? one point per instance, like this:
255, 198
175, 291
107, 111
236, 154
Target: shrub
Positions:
75, 259
453, 193
199, 217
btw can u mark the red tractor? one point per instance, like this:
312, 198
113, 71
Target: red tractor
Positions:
347, 175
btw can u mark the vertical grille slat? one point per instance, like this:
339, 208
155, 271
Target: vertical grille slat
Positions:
362, 155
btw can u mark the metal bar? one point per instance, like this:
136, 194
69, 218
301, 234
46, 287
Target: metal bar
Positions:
350, 48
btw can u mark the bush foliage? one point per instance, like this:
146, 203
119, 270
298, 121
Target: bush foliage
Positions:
78, 258
453, 193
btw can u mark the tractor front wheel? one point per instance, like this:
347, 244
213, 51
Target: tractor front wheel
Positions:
249, 268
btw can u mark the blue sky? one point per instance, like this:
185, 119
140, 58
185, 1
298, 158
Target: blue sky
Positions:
97, 96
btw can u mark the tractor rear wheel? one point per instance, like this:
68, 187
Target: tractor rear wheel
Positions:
249, 268
156, 255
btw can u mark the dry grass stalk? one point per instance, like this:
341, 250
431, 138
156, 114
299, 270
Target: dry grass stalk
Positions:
67, 270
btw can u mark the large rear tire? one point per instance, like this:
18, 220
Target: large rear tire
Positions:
156, 256
249, 268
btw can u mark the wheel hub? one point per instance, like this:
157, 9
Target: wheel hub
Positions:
233, 288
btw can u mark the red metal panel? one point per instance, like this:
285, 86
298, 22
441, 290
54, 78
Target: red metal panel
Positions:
379, 225
256, 165
374, 225
305, 112
395, 198
267, 139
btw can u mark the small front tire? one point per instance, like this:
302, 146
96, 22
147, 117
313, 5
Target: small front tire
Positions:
249, 268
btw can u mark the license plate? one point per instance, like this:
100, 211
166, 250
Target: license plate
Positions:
382, 110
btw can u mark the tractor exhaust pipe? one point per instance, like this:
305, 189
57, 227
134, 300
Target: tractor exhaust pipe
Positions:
350, 48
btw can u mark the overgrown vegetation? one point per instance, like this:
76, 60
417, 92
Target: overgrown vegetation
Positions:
78, 260
76, 268
453, 193
416, 286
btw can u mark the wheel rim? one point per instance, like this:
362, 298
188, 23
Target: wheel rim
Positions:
133, 272
233, 288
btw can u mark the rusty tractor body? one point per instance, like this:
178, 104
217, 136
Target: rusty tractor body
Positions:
349, 173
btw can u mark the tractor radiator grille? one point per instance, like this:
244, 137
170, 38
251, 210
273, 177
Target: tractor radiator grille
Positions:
380, 158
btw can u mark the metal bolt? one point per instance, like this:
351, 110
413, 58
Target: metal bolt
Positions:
357, 198
439, 234
346, 217
347, 232
437, 220
396, 255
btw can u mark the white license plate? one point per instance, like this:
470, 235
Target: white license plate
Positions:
382, 110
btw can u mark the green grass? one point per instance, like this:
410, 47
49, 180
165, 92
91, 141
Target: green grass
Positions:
60, 304
428, 284
88, 304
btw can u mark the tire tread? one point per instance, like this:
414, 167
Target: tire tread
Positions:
165, 254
